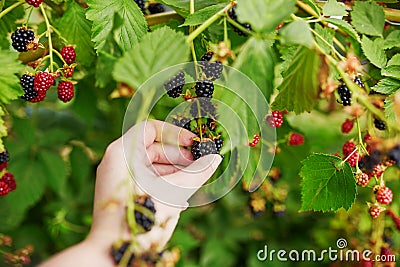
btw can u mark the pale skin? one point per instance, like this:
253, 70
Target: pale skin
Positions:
163, 158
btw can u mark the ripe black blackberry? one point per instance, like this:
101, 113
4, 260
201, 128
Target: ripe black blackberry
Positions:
156, 8
175, 85
141, 4
380, 125
20, 39
233, 16
145, 222
358, 81
394, 154
204, 88
27, 84
213, 70
182, 122
202, 107
203, 147
345, 94
207, 56
118, 252
218, 144
4, 156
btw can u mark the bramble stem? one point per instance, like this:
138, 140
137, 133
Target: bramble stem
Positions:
10, 8
48, 33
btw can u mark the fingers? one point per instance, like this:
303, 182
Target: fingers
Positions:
168, 154
196, 174
164, 169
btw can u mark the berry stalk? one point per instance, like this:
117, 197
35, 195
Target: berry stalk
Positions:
48, 33
10, 8
239, 26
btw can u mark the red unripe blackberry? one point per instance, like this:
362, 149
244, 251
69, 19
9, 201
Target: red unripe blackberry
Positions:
43, 81
378, 170
8, 177
347, 126
175, 85
3, 165
203, 147
202, 107
65, 91
359, 82
20, 39
380, 125
296, 139
353, 159
39, 98
35, 3
276, 119
4, 188
68, 71
204, 88
348, 148
118, 252
145, 222
156, 8
4, 156
362, 179
27, 83
374, 211
384, 195
68, 53
345, 94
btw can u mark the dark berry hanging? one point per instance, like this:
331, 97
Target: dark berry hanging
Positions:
203, 147
27, 83
118, 252
345, 94
204, 88
145, 222
380, 125
156, 8
175, 85
182, 122
202, 107
20, 39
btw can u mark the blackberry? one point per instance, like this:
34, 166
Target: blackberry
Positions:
118, 252
145, 222
347, 126
394, 154
65, 91
380, 125
183, 123
40, 97
218, 144
4, 189
358, 81
213, 70
43, 81
8, 177
141, 4
232, 15
4, 156
156, 8
174, 86
35, 3
202, 107
27, 84
204, 88
384, 195
20, 38
275, 119
374, 211
296, 139
203, 147
3, 165
345, 94
68, 53
207, 56
369, 161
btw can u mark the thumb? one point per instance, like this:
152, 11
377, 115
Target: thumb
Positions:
197, 173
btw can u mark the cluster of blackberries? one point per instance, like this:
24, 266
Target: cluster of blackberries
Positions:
211, 70
153, 8
21, 38
232, 15
141, 219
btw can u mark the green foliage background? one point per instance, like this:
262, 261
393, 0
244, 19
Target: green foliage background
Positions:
56, 147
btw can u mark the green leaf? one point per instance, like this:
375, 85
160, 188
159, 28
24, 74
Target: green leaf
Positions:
150, 56
324, 38
77, 30
264, 15
391, 71
368, 18
325, 187
55, 170
395, 60
104, 67
334, 8
344, 26
182, 6
7, 24
9, 82
314, 6
374, 51
297, 32
392, 40
256, 61
391, 110
132, 25
202, 15
387, 86
299, 92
